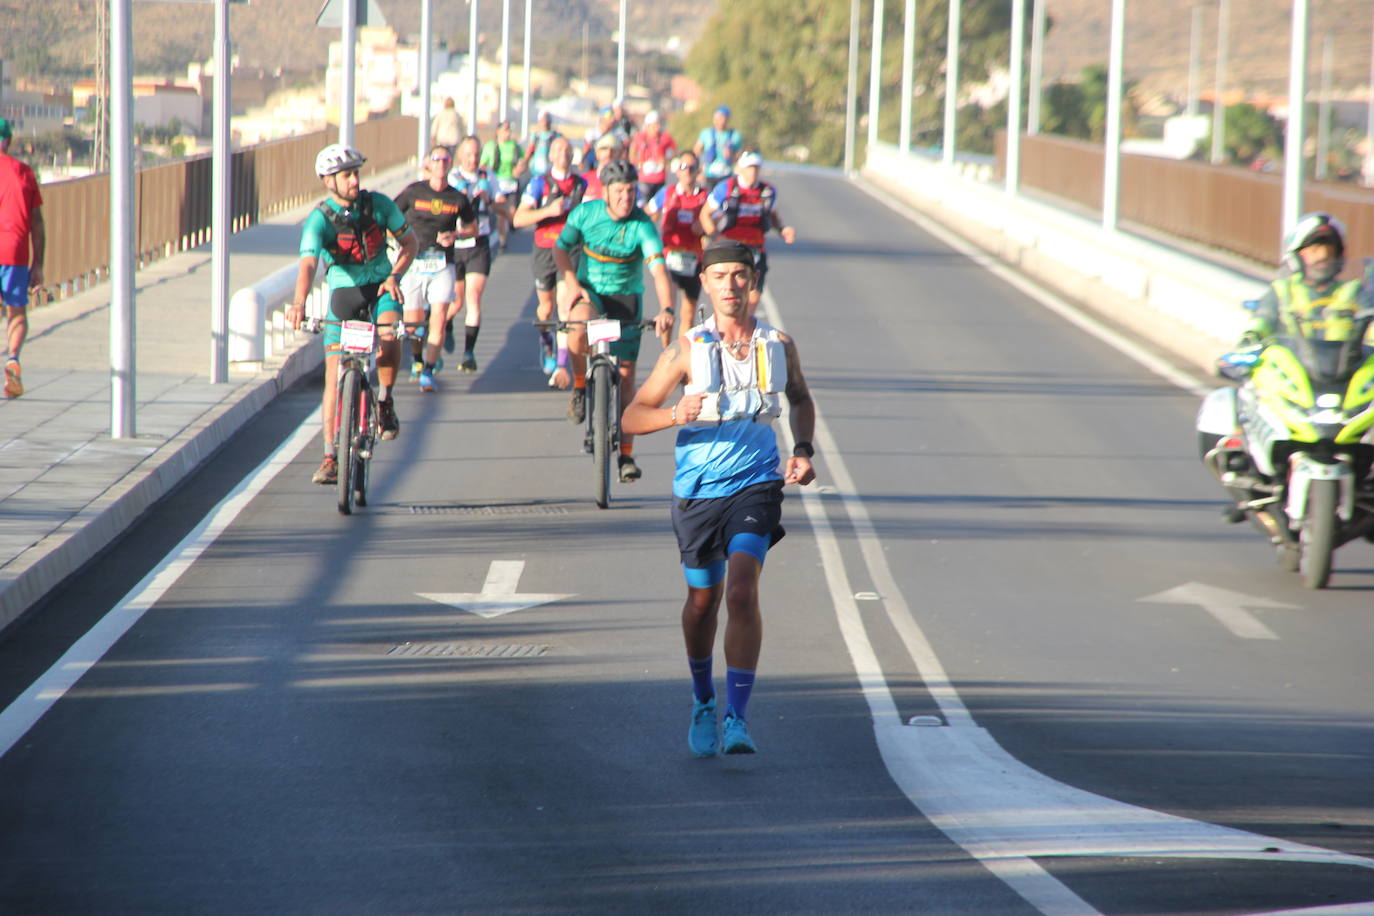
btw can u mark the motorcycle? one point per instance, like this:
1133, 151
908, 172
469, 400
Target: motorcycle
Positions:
1291, 443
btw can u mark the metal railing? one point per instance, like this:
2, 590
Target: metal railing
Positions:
174, 205
1232, 209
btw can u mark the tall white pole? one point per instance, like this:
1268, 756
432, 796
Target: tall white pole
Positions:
1218, 102
908, 66
620, 55
952, 83
1111, 183
221, 201
348, 39
473, 63
875, 71
1324, 111
1037, 67
1296, 131
123, 236
505, 59
525, 95
426, 77
851, 103
1018, 47
1195, 62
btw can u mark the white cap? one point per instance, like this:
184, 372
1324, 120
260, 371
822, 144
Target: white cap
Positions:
651, 118
747, 159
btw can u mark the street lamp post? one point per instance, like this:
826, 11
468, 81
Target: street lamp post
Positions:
1218, 101
1018, 42
505, 60
220, 204
472, 62
348, 37
1111, 190
620, 54
908, 66
525, 95
1037, 67
851, 103
123, 240
426, 76
952, 83
875, 72
1296, 131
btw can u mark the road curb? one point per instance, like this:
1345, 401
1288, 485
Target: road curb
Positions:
83, 537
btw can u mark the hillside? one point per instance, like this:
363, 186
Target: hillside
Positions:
1158, 38
59, 36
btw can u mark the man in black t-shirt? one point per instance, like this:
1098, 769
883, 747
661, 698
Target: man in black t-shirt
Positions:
438, 213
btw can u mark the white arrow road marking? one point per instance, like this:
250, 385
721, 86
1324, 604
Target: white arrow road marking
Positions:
498, 593
1002, 812
1228, 607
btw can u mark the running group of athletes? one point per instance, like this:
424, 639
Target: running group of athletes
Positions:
697, 220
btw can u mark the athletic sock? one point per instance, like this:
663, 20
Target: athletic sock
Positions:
627, 448
702, 688
579, 381
429, 367
738, 684
470, 337
383, 392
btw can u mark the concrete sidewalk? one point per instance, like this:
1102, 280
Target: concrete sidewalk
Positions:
67, 490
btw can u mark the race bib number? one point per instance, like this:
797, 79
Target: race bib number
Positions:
686, 217
356, 336
652, 166
507, 185
431, 262
751, 210
465, 243
484, 226
599, 329
682, 263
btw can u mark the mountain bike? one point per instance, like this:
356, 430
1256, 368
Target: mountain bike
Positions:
603, 397
357, 424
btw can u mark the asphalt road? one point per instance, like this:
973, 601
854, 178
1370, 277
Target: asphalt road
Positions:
295, 727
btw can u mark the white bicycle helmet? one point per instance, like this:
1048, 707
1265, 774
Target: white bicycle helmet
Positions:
1312, 228
336, 158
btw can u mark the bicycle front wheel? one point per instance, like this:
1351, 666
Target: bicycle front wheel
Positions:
600, 383
346, 436
367, 437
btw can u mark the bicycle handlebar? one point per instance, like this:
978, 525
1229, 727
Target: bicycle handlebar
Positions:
563, 324
403, 329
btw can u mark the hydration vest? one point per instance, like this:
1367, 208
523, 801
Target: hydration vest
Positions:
546, 230
745, 214
676, 232
357, 238
734, 389
1330, 316
480, 198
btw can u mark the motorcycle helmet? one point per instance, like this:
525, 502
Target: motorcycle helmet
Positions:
336, 158
617, 172
1312, 228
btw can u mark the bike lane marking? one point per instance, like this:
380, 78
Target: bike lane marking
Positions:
86, 652
999, 810
498, 595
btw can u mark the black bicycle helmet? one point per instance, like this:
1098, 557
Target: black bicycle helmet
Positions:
619, 172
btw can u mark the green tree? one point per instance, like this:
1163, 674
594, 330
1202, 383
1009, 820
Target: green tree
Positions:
1079, 109
1249, 133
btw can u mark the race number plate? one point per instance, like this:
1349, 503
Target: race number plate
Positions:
682, 263
429, 264
599, 329
356, 336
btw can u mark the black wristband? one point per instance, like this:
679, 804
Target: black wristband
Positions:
807, 450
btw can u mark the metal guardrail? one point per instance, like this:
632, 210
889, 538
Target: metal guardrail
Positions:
173, 205
1233, 209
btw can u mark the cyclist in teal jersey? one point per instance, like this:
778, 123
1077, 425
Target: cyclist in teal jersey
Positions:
617, 240
348, 230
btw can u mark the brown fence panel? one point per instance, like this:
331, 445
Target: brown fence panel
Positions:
174, 201
1233, 209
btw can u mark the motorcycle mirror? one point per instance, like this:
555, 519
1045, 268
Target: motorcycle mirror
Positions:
1237, 365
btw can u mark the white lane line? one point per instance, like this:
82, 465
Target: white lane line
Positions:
33, 703
996, 808
1061, 307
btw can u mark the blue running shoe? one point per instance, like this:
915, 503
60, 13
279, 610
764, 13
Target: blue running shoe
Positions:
737, 740
701, 737
426, 380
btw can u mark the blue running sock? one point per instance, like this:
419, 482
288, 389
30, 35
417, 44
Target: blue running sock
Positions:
701, 678
738, 684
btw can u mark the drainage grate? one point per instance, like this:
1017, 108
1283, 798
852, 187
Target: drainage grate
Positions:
450, 650
489, 511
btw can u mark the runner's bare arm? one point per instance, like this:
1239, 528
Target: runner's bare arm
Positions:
801, 416
646, 413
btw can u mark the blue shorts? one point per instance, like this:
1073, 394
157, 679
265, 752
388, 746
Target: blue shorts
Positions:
14, 285
709, 530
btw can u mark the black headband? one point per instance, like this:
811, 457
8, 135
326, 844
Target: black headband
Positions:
728, 252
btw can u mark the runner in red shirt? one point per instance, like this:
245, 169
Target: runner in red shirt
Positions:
650, 150
546, 203
677, 212
21, 230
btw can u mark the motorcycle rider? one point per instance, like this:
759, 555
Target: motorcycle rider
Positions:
1310, 300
